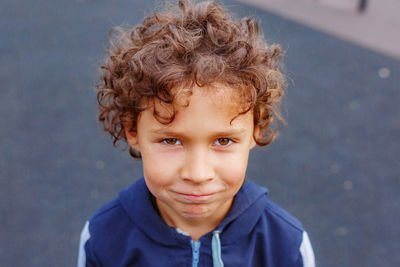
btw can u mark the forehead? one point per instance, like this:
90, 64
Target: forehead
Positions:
218, 104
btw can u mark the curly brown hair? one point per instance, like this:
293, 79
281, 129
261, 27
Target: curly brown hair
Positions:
191, 44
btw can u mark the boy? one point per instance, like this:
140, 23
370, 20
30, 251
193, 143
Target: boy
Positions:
192, 92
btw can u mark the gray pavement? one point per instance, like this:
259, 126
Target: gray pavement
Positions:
376, 27
335, 166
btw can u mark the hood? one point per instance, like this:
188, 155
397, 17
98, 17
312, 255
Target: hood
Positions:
248, 205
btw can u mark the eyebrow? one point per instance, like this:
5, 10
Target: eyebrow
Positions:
233, 132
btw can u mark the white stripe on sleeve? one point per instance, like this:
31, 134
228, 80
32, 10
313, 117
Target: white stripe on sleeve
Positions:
307, 252
85, 235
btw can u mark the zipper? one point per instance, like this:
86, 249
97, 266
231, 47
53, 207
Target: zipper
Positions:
195, 252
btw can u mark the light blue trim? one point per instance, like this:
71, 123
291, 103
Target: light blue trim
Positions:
195, 252
216, 250
181, 232
85, 235
307, 252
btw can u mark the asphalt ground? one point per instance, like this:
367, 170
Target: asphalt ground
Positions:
335, 165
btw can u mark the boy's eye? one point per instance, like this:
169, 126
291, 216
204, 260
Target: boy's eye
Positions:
171, 141
223, 141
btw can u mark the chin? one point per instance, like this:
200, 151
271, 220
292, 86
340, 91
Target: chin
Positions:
196, 214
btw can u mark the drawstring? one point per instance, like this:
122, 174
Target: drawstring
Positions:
215, 246
216, 250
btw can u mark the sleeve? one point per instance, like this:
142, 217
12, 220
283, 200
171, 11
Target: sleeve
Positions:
82, 253
307, 252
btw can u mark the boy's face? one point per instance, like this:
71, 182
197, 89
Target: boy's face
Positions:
195, 165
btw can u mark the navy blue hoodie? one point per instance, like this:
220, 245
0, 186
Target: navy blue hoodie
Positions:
129, 231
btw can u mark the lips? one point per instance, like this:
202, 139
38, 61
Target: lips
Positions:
197, 198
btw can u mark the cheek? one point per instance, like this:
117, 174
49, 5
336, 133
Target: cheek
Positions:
157, 179
234, 169
158, 169
233, 175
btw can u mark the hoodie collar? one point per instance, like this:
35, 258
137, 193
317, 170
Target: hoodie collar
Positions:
246, 210
137, 202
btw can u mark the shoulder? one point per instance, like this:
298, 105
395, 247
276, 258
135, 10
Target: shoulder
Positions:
259, 204
108, 224
116, 214
106, 230
269, 234
278, 227
281, 217
115, 220
109, 214
96, 233
108, 210
103, 234
287, 232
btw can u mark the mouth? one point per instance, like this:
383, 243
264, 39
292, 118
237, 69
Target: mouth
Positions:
197, 198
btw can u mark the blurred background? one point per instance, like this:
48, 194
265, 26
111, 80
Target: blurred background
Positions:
336, 165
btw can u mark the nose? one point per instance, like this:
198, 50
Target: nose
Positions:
198, 167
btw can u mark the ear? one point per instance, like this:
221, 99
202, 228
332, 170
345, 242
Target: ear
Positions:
256, 132
131, 138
